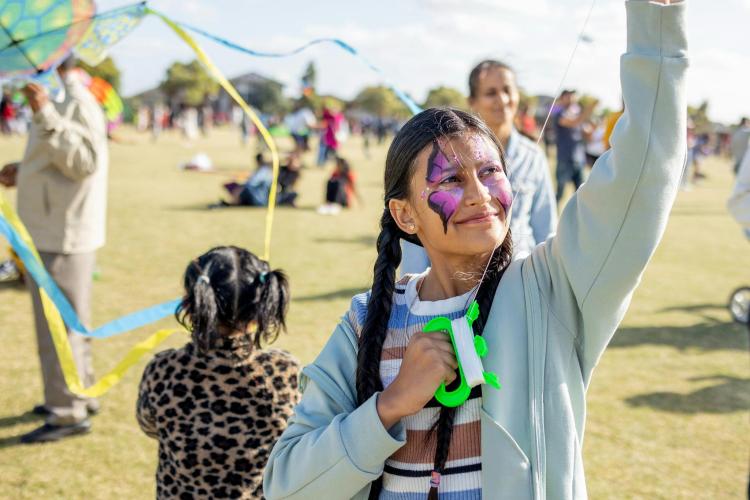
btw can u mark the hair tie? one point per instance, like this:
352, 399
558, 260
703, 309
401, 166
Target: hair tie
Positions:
262, 276
204, 278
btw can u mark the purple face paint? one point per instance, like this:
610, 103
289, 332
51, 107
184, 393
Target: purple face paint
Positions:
444, 196
492, 177
498, 185
443, 202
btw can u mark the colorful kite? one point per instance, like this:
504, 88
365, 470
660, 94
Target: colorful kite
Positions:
35, 35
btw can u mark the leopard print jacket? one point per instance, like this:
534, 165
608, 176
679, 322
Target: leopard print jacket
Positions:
216, 417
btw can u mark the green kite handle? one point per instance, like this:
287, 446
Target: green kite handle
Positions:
458, 396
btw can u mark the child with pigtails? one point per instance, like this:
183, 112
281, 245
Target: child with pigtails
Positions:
218, 404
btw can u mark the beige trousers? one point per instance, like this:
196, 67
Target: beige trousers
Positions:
73, 274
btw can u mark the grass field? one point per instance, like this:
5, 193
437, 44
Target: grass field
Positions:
667, 409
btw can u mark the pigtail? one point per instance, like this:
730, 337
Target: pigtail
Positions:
203, 313
272, 306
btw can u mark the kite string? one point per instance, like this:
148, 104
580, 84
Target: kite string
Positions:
541, 134
565, 73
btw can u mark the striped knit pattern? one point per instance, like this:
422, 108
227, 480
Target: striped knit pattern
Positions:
407, 472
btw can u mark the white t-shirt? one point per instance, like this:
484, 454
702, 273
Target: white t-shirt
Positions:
300, 121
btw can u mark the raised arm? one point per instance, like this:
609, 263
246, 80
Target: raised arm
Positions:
331, 448
610, 228
74, 144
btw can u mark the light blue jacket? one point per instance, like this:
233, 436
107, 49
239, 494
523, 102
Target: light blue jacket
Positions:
553, 314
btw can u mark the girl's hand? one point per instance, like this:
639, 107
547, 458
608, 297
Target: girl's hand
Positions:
429, 360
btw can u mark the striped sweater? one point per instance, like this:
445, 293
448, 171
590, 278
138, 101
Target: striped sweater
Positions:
407, 472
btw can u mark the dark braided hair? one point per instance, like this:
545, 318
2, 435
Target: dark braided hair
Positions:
226, 289
417, 134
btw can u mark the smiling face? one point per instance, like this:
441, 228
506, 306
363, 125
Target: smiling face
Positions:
496, 99
462, 196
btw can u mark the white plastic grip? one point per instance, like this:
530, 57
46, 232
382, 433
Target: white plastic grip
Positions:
466, 353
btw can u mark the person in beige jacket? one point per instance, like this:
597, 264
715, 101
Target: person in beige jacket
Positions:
62, 197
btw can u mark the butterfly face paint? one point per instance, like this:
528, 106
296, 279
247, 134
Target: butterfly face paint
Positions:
444, 202
444, 189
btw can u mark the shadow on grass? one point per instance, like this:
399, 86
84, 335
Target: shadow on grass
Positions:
730, 394
23, 418
11, 421
336, 294
708, 336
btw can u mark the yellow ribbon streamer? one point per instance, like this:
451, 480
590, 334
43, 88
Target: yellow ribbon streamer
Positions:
229, 88
59, 333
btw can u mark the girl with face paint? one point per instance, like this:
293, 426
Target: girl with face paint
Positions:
368, 425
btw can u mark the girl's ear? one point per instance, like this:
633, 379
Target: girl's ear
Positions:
402, 212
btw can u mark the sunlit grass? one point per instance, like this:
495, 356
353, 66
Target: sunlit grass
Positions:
667, 415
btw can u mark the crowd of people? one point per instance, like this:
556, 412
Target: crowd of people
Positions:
469, 217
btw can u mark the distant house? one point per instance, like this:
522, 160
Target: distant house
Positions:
251, 86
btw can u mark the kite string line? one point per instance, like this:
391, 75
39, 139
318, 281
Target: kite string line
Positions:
565, 73
541, 134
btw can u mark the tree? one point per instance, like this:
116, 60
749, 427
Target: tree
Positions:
106, 70
310, 76
267, 96
445, 96
380, 101
699, 117
189, 83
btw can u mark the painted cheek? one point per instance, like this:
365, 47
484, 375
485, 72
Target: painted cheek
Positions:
445, 204
499, 187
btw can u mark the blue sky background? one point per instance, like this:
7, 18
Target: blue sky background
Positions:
420, 44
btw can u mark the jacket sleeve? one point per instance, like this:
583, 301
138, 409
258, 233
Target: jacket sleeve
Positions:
543, 217
72, 144
331, 448
610, 228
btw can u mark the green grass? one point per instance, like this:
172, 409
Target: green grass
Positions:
667, 413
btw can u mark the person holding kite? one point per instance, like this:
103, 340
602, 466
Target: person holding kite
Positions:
62, 197
385, 413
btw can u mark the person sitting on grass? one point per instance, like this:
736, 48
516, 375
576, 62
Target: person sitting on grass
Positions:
341, 189
218, 404
256, 190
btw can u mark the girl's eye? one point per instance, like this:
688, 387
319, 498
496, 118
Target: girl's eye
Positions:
493, 170
450, 180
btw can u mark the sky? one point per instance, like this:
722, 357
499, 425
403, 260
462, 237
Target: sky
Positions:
420, 44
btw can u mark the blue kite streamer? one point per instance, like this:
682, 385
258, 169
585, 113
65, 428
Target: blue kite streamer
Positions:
45, 282
413, 107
